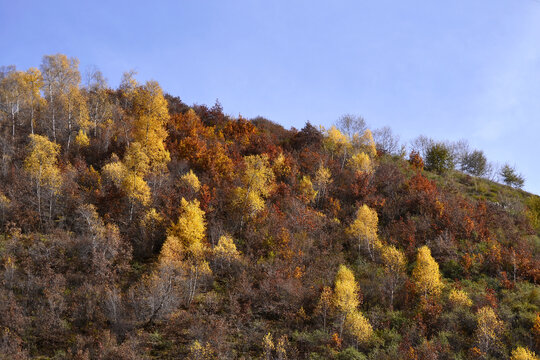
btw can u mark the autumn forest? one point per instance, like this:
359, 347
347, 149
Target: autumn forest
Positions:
135, 226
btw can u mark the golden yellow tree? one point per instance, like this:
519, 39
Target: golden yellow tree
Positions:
394, 267
360, 162
322, 180
358, 327
257, 180
184, 247
487, 329
33, 84
225, 252
365, 143
337, 144
306, 189
42, 165
150, 117
345, 294
521, 353
426, 275
459, 299
364, 229
128, 175
191, 182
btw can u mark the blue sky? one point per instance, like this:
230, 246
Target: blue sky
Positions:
449, 70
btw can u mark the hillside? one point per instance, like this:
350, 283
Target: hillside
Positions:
135, 226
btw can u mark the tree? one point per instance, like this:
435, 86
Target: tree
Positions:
257, 179
225, 251
325, 303
345, 294
511, 177
151, 114
306, 189
487, 329
394, 267
42, 165
439, 158
337, 144
12, 95
184, 247
191, 182
521, 353
351, 124
358, 327
128, 175
474, 163
360, 163
364, 229
323, 179
61, 81
426, 275
386, 141
459, 299
365, 143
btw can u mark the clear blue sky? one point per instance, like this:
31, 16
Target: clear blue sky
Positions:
449, 70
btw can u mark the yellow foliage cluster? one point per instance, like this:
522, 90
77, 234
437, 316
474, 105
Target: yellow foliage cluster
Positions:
199, 352
459, 298
151, 114
521, 353
42, 162
82, 139
191, 181
345, 290
426, 275
187, 235
360, 163
256, 180
335, 142
129, 174
358, 326
487, 329
306, 189
364, 228
226, 249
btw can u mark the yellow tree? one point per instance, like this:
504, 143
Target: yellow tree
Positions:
129, 175
33, 84
360, 163
42, 165
364, 229
487, 329
225, 251
307, 190
191, 182
345, 294
257, 180
426, 275
394, 267
459, 299
521, 353
338, 144
322, 180
358, 327
150, 117
365, 143
77, 115
184, 246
